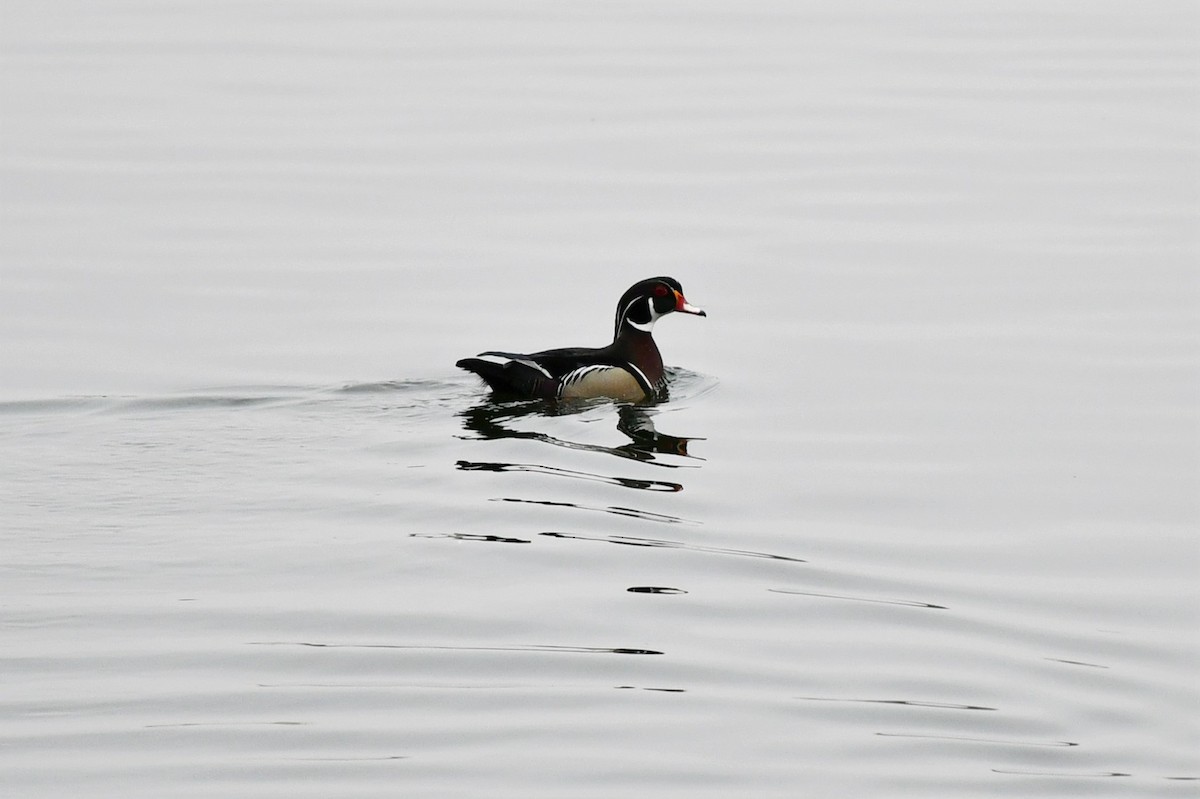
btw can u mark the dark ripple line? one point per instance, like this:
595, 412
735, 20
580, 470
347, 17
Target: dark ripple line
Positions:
54, 405
625, 482
229, 724
232, 397
1074, 775
910, 702
1077, 663
499, 539
911, 603
587, 650
380, 759
1055, 744
613, 509
626, 540
199, 401
628, 452
394, 386
392, 685
107, 404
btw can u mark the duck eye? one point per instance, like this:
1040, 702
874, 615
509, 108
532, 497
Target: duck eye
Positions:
660, 291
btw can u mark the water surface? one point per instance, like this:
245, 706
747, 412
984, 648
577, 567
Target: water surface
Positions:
919, 517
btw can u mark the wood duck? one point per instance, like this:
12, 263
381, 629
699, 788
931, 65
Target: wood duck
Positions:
628, 369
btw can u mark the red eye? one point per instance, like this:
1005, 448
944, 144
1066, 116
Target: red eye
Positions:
660, 291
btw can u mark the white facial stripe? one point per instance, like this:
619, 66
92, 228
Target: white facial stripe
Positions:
641, 376
624, 314
645, 327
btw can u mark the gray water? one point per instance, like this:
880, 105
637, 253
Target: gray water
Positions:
918, 519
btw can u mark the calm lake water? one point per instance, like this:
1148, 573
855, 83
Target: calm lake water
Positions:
919, 518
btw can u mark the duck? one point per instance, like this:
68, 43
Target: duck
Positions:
628, 369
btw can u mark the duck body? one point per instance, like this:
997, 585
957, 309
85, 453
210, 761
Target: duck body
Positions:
573, 372
630, 368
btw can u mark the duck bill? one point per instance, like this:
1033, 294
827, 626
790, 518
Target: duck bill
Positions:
683, 306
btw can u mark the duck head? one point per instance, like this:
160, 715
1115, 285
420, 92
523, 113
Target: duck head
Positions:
646, 301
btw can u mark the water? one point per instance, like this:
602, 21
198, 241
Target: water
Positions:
919, 517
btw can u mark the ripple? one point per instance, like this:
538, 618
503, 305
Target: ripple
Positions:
626, 482
1069, 774
962, 739
229, 724
382, 758
201, 399
1077, 663
418, 385
911, 603
496, 539
587, 650
53, 405
908, 702
617, 510
686, 385
632, 541
232, 397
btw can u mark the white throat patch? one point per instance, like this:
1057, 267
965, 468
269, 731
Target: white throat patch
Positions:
645, 327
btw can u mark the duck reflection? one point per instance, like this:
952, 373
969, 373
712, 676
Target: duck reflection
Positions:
492, 420
626, 482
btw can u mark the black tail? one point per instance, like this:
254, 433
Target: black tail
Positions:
512, 379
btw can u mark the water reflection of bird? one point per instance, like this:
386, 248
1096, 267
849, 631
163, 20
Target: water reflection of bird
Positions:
487, 420
630, 368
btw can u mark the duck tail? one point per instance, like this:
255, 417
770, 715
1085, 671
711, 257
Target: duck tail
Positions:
512, 378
